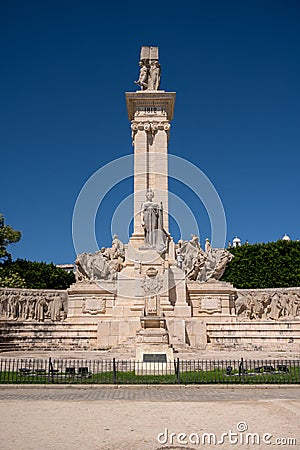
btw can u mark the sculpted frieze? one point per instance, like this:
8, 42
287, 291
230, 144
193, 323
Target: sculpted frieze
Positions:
26, 304
268, 305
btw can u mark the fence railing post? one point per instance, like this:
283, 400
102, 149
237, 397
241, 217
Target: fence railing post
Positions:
241, 370
50, 371
114, 371
177, 371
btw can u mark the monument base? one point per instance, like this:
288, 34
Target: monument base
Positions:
153, 358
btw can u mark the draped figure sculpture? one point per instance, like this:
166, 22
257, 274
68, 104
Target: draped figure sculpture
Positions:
152, 222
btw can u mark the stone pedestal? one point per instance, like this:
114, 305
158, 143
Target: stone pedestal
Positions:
89, 301
178, 294
133, 283
212, 300
152, 342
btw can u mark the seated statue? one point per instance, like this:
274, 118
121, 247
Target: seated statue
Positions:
101, 265
200, 265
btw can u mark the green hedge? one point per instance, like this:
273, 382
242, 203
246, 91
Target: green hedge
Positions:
275, 264
34, 275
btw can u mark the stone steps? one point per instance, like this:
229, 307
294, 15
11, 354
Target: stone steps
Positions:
19, 335
261, 335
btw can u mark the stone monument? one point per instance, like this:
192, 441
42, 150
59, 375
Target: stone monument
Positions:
151, 297
151, 294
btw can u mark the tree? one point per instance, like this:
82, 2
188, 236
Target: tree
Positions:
7, 236
34, 275
270, 265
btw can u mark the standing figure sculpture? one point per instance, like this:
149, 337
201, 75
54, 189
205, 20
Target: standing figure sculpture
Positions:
149, 77
143, 78
152, 222
154, 76
208, 247
117, 247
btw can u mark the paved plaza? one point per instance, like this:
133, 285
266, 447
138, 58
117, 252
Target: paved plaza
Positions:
133, 417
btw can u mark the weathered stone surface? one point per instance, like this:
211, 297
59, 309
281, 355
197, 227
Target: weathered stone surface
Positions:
102, 265
33, 304
36, 336
268, 304
266, 336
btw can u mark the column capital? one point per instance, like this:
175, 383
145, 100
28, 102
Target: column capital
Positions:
149, 126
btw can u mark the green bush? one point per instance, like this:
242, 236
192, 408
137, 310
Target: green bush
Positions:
34, 275
275, 264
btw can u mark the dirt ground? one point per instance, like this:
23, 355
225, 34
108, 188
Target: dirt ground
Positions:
138, 419
165, 417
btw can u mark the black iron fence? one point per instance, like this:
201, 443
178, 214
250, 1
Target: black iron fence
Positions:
113, 371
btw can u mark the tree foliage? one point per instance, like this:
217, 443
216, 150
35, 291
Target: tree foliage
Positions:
10, 279
34, 275
270, 265
7, 236
27, 274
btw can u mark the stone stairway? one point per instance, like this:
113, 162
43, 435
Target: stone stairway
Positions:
21, 335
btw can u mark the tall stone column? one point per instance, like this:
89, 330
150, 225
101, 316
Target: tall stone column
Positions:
150, 113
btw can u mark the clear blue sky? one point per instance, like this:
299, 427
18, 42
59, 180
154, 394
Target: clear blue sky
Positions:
65, 66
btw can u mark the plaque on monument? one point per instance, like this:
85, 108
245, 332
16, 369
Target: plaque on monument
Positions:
94, 306
210, 305
154, 358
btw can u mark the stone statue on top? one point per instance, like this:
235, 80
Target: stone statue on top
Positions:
149, 77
